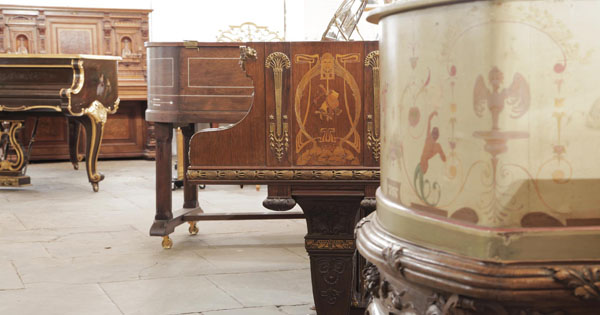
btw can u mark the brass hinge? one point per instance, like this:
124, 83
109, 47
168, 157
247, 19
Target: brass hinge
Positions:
190, 43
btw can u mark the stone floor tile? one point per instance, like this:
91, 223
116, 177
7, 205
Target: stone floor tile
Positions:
87, 299
53, 234
8, 221
102, 243
169, 296
252, 259
15, 250
270, 310
108, 268
9, 278
279, 239
267, 288
299, 250
306, 309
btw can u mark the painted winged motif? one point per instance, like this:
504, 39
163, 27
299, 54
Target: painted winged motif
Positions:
517, 96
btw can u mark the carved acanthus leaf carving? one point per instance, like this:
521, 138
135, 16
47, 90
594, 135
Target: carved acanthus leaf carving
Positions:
393, 255
585, 281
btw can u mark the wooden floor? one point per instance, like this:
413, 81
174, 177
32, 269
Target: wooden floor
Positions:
67, 250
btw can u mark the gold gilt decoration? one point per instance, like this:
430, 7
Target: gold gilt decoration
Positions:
11, 134
99, 113
248, 32
283, 174
25, 108
329, 244
583, 280
278, 129
9, 181
373, 121
245, 54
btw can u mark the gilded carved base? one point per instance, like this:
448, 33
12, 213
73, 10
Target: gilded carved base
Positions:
14, 181
403, 278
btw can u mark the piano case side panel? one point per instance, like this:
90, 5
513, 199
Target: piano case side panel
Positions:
327, 99
242, 143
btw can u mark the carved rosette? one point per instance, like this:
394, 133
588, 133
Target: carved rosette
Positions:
278, 126
373, 121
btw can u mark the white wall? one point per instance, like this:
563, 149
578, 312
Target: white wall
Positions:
177, 20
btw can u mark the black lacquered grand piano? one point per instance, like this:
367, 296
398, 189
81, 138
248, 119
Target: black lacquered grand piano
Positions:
81, 87
311, 135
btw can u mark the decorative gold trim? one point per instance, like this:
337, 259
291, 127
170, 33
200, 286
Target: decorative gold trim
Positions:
373, 121
11, 181
278, 131
17, 165
245, 54
329, 244
25, 108
283, 174
35, 66
248, 32
190, 44
61, 56
76, 85
98, 113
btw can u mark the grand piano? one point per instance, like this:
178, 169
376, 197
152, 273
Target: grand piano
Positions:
81, 87
311, 134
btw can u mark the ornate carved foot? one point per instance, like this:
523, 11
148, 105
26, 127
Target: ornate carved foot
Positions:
74, 142
94, 128
167, 243
193, 229
331, 247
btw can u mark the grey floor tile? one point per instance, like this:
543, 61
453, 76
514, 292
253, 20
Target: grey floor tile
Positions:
87, 299
9, 278
267, 288
108, 268
8, 221
22, 251
169, 296
252, 259
306, 309
270, 310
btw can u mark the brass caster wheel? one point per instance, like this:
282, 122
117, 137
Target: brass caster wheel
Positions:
193, 228
95, 187
167, 243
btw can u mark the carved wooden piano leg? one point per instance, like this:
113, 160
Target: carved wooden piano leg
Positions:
74, 128
331, 247
190, 191
94, 127
164, 212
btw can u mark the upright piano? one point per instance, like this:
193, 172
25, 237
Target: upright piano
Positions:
308, 128
82, 87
